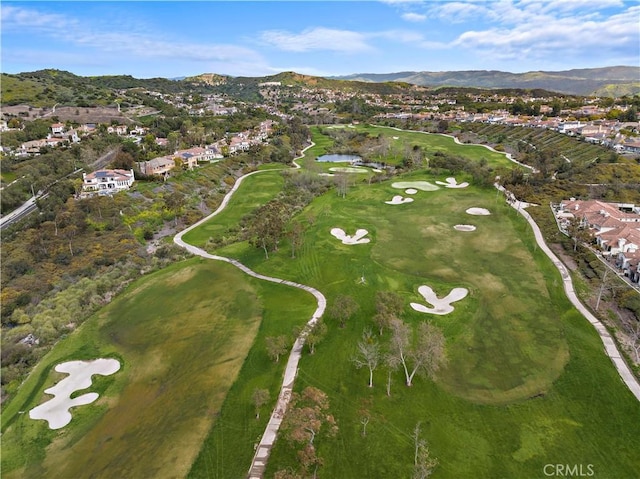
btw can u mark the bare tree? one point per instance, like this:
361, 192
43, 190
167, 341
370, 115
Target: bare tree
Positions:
367, 354
391, 362
632, 328
276, 346
259, 398
424, 355
423, 463
342, 183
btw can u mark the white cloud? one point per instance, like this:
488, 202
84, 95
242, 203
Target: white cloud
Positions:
16, 18
533, 30
414, 17
142, 46
317, 39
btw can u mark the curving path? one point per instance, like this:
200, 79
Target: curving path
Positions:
610, 347
263, 449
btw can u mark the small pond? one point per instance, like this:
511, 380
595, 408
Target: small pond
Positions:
339, 158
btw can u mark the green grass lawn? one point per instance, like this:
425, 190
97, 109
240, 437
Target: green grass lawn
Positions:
254, 191
181, 335
527, 382
433, 143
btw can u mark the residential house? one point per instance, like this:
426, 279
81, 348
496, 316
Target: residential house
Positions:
160, 166
105, 182
119, 130
57, 129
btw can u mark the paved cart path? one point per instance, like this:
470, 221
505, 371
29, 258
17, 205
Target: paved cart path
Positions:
259, 462
610, 347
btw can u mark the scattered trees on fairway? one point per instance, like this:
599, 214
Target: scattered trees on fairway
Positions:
343, 308
389, 306
296, 236
259, 398
316, 333
276, 346
423, 463
341, 179
391, 363
423, 354
267, 227
367, 354
306, 418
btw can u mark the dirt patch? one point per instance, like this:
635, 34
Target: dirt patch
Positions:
563, 256
100, 114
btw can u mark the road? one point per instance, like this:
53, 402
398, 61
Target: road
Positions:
26, 208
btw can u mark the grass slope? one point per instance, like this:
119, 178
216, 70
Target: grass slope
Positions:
182, 335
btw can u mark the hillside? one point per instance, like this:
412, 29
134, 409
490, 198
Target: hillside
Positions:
578, 81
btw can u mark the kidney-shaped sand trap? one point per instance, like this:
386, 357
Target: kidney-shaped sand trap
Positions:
440, 306
56, 410
418, 185
452, 183
399, 200
478, 211
357, 238
464, 227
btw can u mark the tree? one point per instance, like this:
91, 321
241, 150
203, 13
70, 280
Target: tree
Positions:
342, 183
367, 354
306, 419
296, 235
316, 333
389, 306
259, 398
276, 346
423, 463
391, 362
343, 308
424, 355
122, 161
267, 226
174, 202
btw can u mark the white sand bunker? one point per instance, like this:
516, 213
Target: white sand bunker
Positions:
464, 227
411, 191
452, 183
399, 200
377, 170
56, 410
441, 306
478, 211
348, 169
418, 185
396, 137
358, 238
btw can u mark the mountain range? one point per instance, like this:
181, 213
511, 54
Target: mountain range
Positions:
606, 81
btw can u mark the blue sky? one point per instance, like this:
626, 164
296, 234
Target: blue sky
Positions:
241, 38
